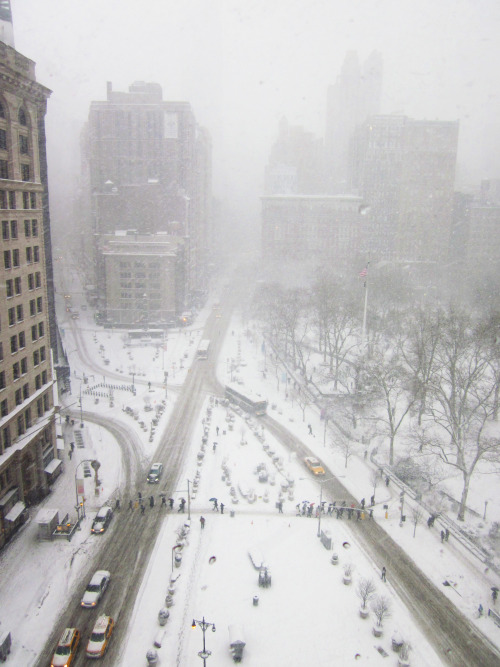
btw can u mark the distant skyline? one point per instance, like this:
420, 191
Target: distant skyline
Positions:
243, 66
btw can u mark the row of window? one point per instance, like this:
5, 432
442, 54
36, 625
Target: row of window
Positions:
16, 313
8, 199
10, 229
23, 142
23, 423
23, 393
20, 368
22, 117
25, 171
13, 286
11, 259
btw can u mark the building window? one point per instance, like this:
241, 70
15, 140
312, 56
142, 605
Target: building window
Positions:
18, 396
15, 258
36, 358
12, 316
22, 117
27, 415
32, 307
33, 199
33, 333
31, 281
36, 254
27, 229
29, 255
38, 382
13, 229
25, 172
34, 228
39, 407
19, 313
3, 140
23, 144
12, 199
9, 288
22, 340
46, 406
5, 230
24, 365
42, 353
26, 200
15, 371
20, 423
6, 436
4, 408
3, 199
13, 344
2, 380
4, 169
39, 304
1, 351
18, 285
38, 279
44, 377
26, 391
41, 330
2, 111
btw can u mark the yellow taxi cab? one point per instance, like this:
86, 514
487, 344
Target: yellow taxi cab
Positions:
99, 639
314, 465
65, 652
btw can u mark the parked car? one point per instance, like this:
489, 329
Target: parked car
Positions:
65, 652
99, 639
102, 519
155, 473
314, 465
95, 589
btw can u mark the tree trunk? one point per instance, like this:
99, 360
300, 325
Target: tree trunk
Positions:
463, 500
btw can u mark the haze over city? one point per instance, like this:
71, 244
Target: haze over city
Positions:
243, 66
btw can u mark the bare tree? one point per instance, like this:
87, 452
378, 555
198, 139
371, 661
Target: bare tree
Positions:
345, 445
381, 607
366, 591
417, 514
462, 405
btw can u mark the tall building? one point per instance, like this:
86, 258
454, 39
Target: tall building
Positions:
405, 171
149, 170
28, 462
351, 100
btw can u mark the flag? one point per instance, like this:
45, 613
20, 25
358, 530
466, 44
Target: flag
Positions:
363, 273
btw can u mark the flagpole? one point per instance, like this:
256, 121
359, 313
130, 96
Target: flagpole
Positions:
363, 330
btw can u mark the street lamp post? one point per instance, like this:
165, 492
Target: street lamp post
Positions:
204, 625
81, 408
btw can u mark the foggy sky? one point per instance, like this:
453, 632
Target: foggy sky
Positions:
243, 64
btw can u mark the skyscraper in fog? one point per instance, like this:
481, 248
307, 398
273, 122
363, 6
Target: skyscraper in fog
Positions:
350, 101
28, 460
149, 171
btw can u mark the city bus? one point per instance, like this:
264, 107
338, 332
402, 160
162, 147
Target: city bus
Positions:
202, 351
247, 401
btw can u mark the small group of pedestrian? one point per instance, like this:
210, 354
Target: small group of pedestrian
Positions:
445, 535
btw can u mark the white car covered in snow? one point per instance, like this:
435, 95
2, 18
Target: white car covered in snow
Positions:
95, 589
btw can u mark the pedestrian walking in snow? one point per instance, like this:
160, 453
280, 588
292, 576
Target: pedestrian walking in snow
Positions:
384, 572
182, 504
310, 429
297, 507
442, 536
117, 504
222, 508
202, 522
494, 594
371, 513
216, 505
163, 501
480, 610
217, 430
215, 446
372, 501
363, 503
171, 503
446, 535
280, 507
151, 501
358, 515
139, 495
143, 508
387, 481
130, 504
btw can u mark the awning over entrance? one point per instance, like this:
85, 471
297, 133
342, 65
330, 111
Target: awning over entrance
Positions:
16, 511
52, 466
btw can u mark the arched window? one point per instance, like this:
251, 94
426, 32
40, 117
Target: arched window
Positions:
22, 117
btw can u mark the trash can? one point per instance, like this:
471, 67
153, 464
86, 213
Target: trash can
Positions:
255, 600
231, 513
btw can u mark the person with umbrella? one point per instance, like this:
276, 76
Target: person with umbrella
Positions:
216, 504
494, 594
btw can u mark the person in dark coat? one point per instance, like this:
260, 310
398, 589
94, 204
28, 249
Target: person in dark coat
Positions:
143, 508
151, 501
383, 575
202, 522
171, 503
222, 508
216, 505
442, 536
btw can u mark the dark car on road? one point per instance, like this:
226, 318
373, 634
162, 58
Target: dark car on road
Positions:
155, 473
102, 519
